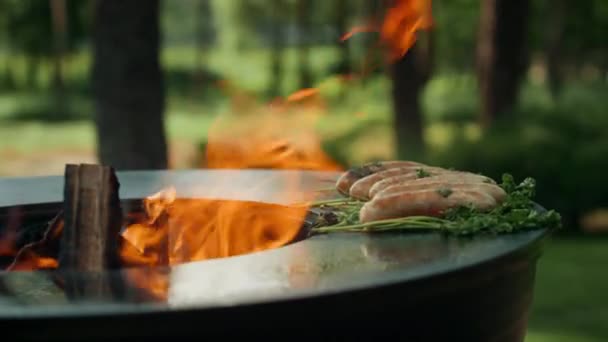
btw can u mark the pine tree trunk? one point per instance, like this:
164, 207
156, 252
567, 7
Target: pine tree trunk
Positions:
128, 85
276, 53
203, 14
555, 35
303, 24
59, 16
409, 75
502, 55
341, 11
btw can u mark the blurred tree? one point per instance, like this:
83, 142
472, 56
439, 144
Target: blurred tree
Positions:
29, 25
303, 21
7, 80
128, 84
342, 10
278, 11
60, 33
204, 32
502, 55
409, 75
456, 24
584, 37
554, 39
235, 22
372, 11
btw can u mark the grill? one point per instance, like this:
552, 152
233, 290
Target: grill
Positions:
406, 286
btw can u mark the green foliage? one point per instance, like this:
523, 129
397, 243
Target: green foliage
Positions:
188, 22
559, 145
456, 25
518, 212
29, 28
42, 107
585, 31
585, 28
450, 98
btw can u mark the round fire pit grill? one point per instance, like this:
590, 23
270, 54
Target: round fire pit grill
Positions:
406, 286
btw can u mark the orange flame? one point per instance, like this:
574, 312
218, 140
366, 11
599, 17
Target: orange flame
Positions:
280, 135
302, 94
358, 29
32, 261
402, 20
200, 229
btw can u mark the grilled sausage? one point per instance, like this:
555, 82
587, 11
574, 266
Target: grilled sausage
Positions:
360, 188
429, 202
351, 176
447, 187
448, 176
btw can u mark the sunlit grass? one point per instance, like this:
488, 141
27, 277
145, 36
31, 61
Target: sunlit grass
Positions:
539, 336
571, 296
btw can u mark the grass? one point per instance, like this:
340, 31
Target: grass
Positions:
571, 295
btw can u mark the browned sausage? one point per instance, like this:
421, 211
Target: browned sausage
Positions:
427, 202
351, 176
360, 189
446, 187
448, 176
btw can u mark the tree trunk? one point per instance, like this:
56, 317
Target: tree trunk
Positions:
341, 13
303, 24
276, 53
555, 36
202, 15
502, 55
128, 85
409, 76
59, 18
373, 11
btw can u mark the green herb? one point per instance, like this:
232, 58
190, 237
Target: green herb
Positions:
421, 173
444, 192
517, 212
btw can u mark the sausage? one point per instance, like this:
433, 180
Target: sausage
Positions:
446, 186
360, 188
447, 176
428, 202
347, 179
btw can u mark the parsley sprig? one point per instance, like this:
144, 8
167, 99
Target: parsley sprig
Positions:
518, 212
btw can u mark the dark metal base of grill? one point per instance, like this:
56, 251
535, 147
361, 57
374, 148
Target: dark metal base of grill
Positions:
412, 287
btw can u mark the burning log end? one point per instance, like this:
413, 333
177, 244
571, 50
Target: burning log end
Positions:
93, 218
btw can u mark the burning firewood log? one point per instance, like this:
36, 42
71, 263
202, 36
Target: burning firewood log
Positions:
91, 235
93, 219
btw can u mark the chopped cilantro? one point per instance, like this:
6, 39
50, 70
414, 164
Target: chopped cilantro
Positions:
445, 192
422, 173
